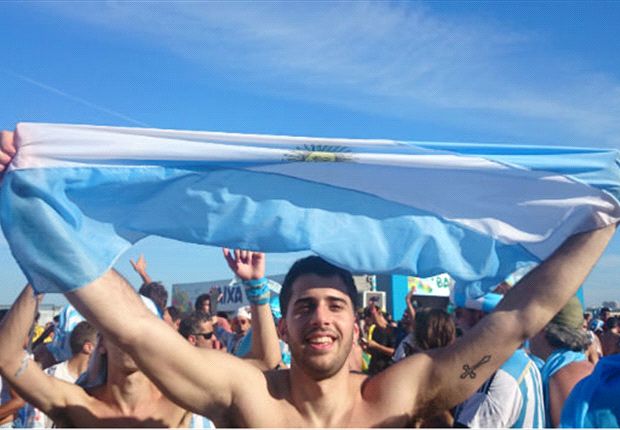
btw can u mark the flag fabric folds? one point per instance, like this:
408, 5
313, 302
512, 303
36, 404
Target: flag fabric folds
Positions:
76, 197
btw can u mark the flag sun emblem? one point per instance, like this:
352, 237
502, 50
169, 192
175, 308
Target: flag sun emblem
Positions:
320, 154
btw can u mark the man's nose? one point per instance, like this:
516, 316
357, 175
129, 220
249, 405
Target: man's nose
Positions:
321, 315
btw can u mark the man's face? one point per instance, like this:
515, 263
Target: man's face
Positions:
320, 325
241, 325
465, 319
205, 338
206, 306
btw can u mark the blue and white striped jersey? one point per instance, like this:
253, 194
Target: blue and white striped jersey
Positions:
512, 397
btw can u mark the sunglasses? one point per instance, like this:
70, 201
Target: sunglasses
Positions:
207, 335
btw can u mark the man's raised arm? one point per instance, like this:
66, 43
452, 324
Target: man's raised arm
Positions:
201, 380
249, 266
204, 381
445, 377
29, 381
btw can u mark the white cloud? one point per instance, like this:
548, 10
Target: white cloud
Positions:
396, 59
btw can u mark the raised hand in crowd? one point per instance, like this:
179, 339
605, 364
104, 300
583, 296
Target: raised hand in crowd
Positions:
140, 267
247, 265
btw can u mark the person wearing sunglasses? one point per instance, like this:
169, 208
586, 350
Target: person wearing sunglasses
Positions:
197, 328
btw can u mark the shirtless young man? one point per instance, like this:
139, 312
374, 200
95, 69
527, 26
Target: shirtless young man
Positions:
319, 325
127, 398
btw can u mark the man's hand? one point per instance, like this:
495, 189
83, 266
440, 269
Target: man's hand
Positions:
215, 290
245, 264
140, 267
7, 149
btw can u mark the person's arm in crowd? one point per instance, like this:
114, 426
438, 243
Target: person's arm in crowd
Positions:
442, 378
376, 346
140, 267
221, 324
8, 409
25, 376
265, 349
373, 345
201, 380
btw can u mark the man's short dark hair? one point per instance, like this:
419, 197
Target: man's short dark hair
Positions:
192, 322
174, 312
83, 332
612, 323
316, 266
200, 300
156, 292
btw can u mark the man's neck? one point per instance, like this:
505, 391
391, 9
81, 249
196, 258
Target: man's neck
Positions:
130, 391
545, 350
326, 403
77, 364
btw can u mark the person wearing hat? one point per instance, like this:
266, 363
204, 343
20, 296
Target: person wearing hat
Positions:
512, 396
241, 324
562, 344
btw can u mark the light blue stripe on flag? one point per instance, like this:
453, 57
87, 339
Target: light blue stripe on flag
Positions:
77, 197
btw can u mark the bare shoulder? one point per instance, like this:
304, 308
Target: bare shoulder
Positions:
566, 378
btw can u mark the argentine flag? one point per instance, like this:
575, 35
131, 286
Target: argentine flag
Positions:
76, 197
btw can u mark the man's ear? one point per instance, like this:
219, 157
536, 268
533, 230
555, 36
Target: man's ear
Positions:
356, 333
88, 347
283, 330
192, 339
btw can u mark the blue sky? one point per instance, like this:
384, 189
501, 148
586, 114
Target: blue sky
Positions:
500, 72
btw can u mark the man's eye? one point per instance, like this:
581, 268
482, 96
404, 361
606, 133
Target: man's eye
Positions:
302, 309
336, 307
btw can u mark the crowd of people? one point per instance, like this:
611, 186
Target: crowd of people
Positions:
527, 391
512, 358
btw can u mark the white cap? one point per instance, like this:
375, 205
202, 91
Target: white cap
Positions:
244, 312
